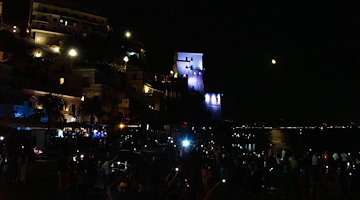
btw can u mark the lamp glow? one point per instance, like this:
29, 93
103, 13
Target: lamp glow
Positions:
185, 143
38, 54
273, 61
55, 49
127, 34
126, 59
73, 53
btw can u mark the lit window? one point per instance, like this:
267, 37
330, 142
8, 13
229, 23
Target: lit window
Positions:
61, 80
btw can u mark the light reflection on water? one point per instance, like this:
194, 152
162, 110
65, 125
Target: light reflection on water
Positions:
302, 140
277, 139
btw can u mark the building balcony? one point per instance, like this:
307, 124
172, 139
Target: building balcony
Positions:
42, 21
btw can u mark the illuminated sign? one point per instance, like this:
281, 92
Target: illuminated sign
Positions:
213, 104
213, 99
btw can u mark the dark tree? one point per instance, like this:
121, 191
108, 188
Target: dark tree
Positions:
53, 106
92, 107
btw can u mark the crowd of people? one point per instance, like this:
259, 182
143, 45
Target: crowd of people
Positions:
16, 153
200, 171
203, 173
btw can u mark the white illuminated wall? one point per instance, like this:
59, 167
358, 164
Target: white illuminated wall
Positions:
190, 66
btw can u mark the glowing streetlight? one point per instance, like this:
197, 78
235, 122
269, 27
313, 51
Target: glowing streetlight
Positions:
127, 34
172, 72
38, 54
273, 61
185, 143
126, 59
55, 49
73, 52
121, 126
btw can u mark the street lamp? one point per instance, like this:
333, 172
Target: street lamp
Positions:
273, 61
126, 59
121, 126
38, 54
127, 34
72, 52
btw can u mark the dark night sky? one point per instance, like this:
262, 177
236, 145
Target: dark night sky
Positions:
316, 47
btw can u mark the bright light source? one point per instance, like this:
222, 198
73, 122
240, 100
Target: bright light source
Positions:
121, 126
185, 143
62, 80
14, 31
38, 54
126, 59
2, 138
273, 61
73, 52
213, 99
223, 180
171, 72
146, 89
127, 34
55, 49
15, 27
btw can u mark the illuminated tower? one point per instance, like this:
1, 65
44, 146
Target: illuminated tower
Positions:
190, 66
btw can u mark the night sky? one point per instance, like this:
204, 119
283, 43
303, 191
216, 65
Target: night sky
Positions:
316, 46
